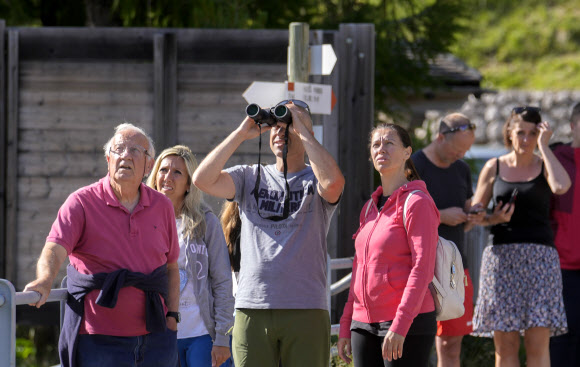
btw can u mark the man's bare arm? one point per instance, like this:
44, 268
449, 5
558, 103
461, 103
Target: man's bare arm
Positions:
209, 176
51, 259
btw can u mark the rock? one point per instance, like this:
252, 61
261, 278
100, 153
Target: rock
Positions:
490, 112
494, 132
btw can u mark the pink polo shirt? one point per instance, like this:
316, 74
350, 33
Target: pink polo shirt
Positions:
100, 235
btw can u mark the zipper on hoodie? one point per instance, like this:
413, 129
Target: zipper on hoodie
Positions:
364, 295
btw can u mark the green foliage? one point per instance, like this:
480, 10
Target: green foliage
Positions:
42, 12
20, 12
406, 40
25, 352
36, 346
528, 44
187, 13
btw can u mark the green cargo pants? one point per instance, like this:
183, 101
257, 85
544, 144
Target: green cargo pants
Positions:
296, 338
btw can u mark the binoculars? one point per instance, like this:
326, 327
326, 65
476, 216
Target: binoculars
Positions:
270, 116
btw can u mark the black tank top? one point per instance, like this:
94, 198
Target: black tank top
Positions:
530, 222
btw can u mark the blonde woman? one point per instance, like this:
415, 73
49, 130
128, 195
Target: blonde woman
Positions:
206, 302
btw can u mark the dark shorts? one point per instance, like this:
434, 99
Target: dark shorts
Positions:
565, 349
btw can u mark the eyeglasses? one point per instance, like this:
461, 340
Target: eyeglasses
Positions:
136, 151
297, 102
464, 127
520, 110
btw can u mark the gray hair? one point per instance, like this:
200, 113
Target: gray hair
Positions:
129, 126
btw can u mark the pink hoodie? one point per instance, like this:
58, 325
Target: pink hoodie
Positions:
392, 269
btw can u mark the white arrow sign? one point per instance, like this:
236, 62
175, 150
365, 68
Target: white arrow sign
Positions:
266, 94
322, 59
319, 97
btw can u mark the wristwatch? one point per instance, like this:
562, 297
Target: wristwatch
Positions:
175, 315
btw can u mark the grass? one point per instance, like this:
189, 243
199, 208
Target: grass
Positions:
528, 44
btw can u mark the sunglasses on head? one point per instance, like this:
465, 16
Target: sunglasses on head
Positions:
528, 114
463, 127
520, 110
297, 102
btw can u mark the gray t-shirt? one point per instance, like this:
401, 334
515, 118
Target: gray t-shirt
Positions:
283, 264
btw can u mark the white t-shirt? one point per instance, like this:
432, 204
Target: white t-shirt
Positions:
191, 324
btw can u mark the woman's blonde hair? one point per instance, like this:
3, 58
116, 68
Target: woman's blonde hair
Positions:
193, 208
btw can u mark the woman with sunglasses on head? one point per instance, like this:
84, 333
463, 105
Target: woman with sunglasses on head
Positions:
520, 287
206, 302
389, 318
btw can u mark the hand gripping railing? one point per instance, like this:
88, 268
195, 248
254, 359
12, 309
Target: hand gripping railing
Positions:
8, 301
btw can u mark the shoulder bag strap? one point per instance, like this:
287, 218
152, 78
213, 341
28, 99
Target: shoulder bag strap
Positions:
405, 208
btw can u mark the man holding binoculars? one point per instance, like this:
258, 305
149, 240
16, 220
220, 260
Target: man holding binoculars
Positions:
286, 209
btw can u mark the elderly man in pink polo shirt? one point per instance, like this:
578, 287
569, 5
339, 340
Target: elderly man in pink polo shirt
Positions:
123, 278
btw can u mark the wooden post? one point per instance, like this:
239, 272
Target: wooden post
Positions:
331, 143
12, 158
2, 151
165, 90
329, 127
355, 49
298, 38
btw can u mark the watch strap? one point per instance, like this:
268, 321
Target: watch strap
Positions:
175, 315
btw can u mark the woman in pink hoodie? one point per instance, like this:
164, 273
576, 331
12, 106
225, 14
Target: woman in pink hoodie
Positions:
390, 308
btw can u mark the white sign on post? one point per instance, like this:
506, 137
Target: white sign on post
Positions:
266, 94
322, 59
319, 97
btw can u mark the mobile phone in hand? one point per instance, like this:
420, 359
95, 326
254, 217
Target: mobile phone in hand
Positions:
513, 197
476, 210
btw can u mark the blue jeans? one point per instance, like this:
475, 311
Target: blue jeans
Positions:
196, 351
151, 350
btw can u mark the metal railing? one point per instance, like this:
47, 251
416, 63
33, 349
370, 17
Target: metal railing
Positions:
339, 286
9, 299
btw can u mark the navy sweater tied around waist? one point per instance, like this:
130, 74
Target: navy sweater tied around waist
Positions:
79, 285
